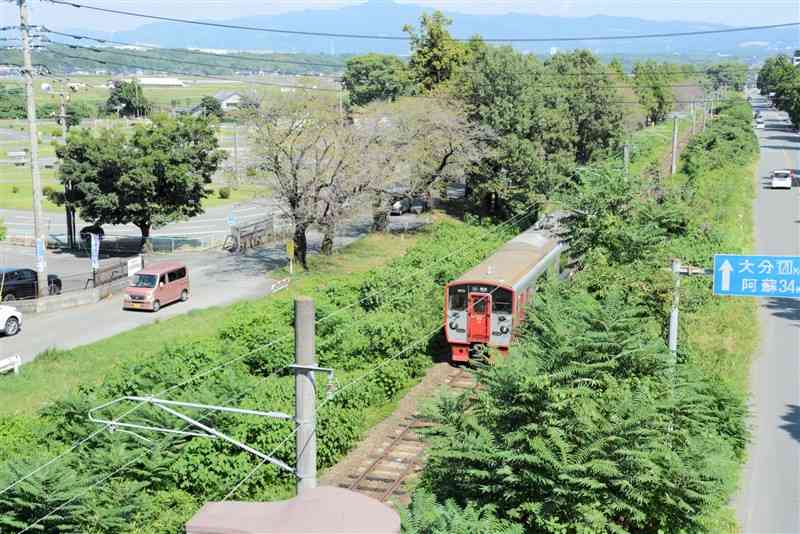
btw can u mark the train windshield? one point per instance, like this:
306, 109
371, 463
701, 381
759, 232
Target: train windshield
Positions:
502, 300
457, 298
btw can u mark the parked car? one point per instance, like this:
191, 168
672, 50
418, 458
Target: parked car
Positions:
401, 206
782, 179
760, 124
20, 284
10, 320
418, 205
157, 285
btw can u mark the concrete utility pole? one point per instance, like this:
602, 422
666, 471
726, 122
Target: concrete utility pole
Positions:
693, 118
673, 316
674, 166
305, 394
236, 153
38, 233
626, 157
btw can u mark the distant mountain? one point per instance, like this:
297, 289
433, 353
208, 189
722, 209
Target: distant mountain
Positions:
384, 17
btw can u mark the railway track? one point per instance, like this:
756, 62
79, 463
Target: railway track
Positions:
401, 454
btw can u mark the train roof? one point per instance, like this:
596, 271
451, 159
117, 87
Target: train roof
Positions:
514, 260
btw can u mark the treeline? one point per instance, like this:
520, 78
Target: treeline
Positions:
779, 79
543, 119
118, 483
590, 425
57, 58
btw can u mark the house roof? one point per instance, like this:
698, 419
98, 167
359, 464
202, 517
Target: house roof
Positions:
225, 95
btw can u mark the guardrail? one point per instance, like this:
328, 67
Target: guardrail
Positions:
260, 232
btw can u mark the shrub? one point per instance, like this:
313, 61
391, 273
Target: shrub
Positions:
224, 192
14, 189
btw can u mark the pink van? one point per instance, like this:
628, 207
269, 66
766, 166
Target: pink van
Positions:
157, 285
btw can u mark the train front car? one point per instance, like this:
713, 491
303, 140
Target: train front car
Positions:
487, 303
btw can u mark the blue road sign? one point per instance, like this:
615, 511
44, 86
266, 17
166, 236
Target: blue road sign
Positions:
757, 276
231, 219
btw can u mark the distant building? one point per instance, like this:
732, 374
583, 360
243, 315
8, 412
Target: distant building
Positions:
229, 100
161, 82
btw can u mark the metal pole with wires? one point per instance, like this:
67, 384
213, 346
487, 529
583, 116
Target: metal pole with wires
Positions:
305, 394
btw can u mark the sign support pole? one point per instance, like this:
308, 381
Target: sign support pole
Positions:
305, 394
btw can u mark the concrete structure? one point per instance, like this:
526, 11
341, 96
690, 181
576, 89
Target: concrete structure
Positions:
161, 82
323, 510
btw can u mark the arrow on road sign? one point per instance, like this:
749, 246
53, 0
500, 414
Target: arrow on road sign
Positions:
726, 268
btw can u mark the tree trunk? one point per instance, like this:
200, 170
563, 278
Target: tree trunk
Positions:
300, 245
380, 214
327, 238
145, 229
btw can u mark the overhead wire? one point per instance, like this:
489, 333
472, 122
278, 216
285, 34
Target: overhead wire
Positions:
408, 38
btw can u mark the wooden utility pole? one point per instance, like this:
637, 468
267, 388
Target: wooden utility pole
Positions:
40, 239
674, 166
305, 394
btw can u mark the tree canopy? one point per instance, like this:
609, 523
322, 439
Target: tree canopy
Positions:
375, 77
127, 100
435, 55
211, 107
152, 176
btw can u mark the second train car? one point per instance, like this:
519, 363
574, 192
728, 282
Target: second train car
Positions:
487, 303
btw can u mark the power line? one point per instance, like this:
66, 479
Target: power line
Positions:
407, 38
195, 52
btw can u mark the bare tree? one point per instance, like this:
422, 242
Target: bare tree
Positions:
296, 147
434, 143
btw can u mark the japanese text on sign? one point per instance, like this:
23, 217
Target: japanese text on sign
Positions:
757, 276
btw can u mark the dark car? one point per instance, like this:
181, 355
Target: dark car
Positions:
93, 229
418, 205
18, 284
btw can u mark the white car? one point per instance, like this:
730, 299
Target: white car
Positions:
10, 320
781, 179
760, 125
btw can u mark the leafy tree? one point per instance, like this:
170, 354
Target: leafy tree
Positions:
435, 55
616, 67
426, 516
780, 76
60, 486
651, 82
12, 102
728, 74
127, 100
153, 176
592, 103
579, 431
211, 107
375, 77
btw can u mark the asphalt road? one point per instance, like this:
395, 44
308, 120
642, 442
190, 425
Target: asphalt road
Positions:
214, 222
769, 496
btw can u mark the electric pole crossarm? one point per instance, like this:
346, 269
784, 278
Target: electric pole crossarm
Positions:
208, 432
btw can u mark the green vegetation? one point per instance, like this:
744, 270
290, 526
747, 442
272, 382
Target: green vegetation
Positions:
2, 230
781, 77
127, 99
590, 426
163, 484
375, 77
211, 107
153, 176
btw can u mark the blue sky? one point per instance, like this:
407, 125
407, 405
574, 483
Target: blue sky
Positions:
731, 12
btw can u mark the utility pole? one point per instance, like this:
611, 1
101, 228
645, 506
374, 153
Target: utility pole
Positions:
305, 394
693, 118
674, 166
236, 153
626, 157
38, 234
704, 116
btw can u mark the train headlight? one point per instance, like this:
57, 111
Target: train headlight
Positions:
504, 330
453, 325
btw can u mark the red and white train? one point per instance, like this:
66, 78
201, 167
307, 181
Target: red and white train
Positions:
487, 303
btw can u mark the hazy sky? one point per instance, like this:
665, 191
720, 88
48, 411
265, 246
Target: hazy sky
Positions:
732, 12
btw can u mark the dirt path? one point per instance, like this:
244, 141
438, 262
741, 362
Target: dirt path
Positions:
392, 453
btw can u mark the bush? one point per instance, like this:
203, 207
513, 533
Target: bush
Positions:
224, 192
14, 189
